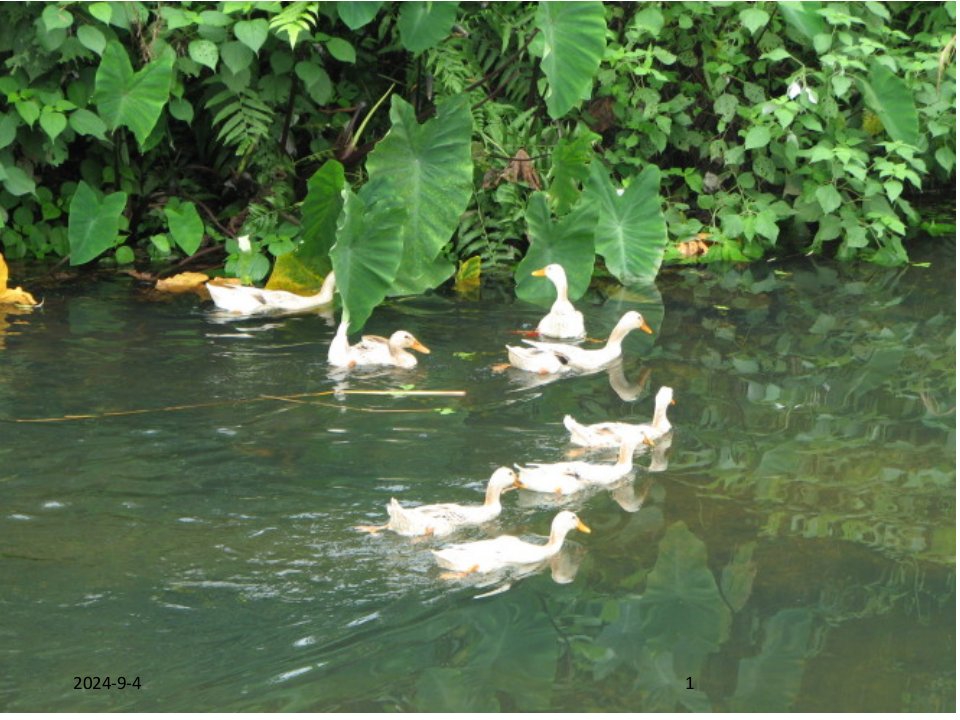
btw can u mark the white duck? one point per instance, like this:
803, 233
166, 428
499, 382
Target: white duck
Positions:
543, 356
563, 321
373, 350
612, 434
246, 300
444, 518
567, 478
505, 551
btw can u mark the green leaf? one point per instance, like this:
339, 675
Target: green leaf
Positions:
29, 110
424, 24
53, 123
124, 255
342, 50
8, 129
236, 56
650, 19
944, 156
429, 169
101, 11
754, 18
757, 137
17, 182
303, 270
890, 98
204, 52
574, 39
357, 14
185, 225
56, 17
91, 38
181, 109
570, 167
252, 33
134, 100
567, 241
368, 250
803, 17
631, 232
93, 223
829, 198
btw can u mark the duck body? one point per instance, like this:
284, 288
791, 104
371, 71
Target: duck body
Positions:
507, 551
373, 350
612, 434
445, 518
536, 361
563, 321
580, 359
246, 300
567, 478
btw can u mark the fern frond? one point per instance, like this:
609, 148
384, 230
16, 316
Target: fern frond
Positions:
242, 121
295, 18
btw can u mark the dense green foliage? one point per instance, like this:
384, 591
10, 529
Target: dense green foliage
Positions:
139, 129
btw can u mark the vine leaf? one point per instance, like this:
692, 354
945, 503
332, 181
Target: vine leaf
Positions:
132, 99
574, 40
567, 241
357, 14
890, 98
631, 233
93, 223
303, 270
429, 169
185, 225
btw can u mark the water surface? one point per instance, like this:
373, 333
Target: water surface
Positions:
792, 549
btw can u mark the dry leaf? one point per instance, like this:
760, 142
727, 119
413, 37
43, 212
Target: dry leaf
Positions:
12, 296
184, 282
695, 246
225, 281
520, 169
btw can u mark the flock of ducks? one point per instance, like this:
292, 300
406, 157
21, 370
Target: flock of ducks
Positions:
563, 322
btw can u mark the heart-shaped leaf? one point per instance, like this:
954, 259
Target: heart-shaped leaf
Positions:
132, 99
185, 225
303, 270
252, 33
567, 241
56, 18
429, 169
91, 38
574, 38
8, 129
424, 24
93, 223
236, 56
17, 182
357, 14
204, 52
342, 50
53, 123
368, 250
630, 233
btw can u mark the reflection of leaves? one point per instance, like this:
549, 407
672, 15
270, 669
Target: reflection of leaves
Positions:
737, 579
770, 682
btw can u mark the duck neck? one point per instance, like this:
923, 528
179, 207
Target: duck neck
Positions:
625, 456
615, 340
326, 290
660, 416
556, 540
492, 498
562, 301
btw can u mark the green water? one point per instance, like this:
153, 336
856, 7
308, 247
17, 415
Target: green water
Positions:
792, 550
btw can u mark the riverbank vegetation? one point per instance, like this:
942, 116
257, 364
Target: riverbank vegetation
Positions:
408, 144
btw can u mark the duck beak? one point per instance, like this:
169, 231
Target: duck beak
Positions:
542, 272
420, 347
645, 327
518, 485
648, 441
673, 402
582, 528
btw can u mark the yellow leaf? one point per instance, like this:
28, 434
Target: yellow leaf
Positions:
12, 296
184, 282
468, 275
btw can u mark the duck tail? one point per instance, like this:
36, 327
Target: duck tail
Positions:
577, 431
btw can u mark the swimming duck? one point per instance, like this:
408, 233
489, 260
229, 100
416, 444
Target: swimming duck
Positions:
612, 434
374, 350
246, 300
566, 478
563, 321
505, 551
537, 358
444, 518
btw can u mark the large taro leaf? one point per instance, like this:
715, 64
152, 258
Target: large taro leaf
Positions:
424, 24
368, 250
132, 99
303, 270
630, 233
93, 223
568, 242
574, 36
429, 169
357, 14
890, 98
